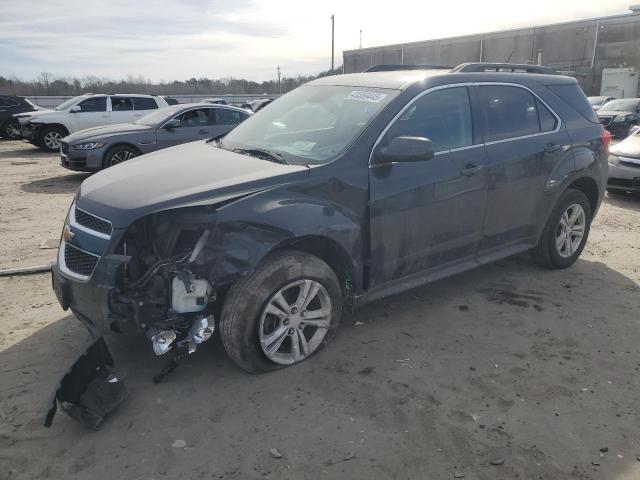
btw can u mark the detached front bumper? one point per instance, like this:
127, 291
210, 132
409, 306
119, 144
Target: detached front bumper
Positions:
624, 176
29, 131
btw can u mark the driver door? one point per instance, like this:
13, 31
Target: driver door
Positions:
427, 216
195, 124
92, 113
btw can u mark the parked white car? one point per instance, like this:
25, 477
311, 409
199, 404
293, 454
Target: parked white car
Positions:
47, 127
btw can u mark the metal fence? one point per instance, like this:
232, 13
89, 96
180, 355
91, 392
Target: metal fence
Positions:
51, 101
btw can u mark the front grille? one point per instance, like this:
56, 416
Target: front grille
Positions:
92, 222
620, 182
79, 261
64, 148
605, 120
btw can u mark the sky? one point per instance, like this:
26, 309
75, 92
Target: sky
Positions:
165, 40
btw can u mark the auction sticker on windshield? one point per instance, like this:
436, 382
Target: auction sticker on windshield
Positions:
361, 96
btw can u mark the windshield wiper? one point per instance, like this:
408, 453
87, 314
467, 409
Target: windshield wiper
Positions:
262, 153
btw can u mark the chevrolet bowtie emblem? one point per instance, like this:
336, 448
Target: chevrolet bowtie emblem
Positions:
67, 234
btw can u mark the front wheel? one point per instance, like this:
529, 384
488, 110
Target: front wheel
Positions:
118, 155
281, 314
566, 231
50, 138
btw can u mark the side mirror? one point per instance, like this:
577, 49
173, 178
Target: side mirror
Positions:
75, 109
171, 124
404, 149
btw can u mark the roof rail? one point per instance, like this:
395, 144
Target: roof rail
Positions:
392, 68
504, 67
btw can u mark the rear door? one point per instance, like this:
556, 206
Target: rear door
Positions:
524, 140
122, 110
195, 124
226, 119
428, 215
93, 113
143, 106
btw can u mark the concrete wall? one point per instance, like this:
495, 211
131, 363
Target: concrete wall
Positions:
569, 47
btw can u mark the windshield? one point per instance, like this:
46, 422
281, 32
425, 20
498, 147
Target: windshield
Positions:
67, 104
312, 124
621, 105
159, 116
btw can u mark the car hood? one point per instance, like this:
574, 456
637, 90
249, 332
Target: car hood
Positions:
33, 114
612, 113
106, 131
192, 174
630, 147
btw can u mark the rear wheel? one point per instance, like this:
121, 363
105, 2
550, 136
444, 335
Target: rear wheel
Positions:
281, 314
566, 231
50, 138
11, 130
118, 155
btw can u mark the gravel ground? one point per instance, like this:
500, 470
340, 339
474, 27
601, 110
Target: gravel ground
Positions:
509, 371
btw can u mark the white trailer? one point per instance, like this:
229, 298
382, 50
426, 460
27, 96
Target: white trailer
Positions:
619, 83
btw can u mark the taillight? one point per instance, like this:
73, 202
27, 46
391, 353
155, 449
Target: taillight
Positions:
606, 141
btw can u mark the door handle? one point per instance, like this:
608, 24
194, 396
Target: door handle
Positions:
470, 169
551, 147
203, 131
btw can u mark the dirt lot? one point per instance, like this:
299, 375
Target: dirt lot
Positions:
537, 370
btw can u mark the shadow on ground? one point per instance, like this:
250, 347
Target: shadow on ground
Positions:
55, 185
508, 362
20, 152
628, 200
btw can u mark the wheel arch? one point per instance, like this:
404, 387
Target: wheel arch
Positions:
120, 144
589, 187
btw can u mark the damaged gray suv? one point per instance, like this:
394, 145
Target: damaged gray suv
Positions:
345, 190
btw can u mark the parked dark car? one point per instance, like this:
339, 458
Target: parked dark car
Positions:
624, 165
620, 115
392, 180
9, 106
101, 147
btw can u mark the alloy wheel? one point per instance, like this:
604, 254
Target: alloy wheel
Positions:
121, 156
295, 321
570, 231
12, 131
52, 140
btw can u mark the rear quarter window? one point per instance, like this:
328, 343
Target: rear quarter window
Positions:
144, 103
573, 96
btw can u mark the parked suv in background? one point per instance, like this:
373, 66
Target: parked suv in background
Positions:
46, 128
9, 106
101, 147
392, 180
620, 116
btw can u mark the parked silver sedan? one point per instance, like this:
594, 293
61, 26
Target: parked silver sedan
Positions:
101, 147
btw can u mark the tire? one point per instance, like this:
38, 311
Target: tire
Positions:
49, 138
247, 324
118, 154
547, 252
10, 130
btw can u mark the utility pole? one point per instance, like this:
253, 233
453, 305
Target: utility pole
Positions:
279, 82
360, 38
333, 19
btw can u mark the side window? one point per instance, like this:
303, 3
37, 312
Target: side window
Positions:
195, 118
8, 102
120, 104
144, 103
443, 116
97, 104
226, 116
547, 120
509, 112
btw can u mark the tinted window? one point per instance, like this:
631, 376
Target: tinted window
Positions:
144, 103
119, 104
225, 116
573, 96
443, 116
547, 120
97, 104
195, 118
8, 102
509, 112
